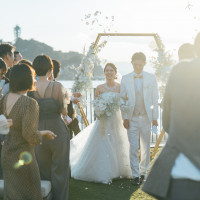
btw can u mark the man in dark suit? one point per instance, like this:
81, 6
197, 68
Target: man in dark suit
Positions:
176, 172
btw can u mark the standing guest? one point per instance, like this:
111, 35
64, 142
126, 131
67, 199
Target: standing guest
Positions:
56, 69
186, 52
140, 90
3, 70
74, 124
17, 57
52, 156
21, 176
25, 61
176, 172
7, 54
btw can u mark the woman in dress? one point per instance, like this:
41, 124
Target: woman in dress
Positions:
100, 152
20, 170
52, 156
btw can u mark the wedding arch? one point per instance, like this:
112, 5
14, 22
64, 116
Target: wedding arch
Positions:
83, 81
154, 35
161, 63
160, 50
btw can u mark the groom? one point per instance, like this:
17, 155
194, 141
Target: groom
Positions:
140, 90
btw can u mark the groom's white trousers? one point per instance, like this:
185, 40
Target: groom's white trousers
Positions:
140, 126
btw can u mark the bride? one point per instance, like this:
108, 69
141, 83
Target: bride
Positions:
100, 152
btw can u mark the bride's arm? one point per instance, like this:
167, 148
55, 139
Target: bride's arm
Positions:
118, 87
97, 92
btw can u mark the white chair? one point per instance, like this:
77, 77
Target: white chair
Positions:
45, 185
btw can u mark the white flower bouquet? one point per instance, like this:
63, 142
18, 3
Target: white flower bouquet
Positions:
106, 105
4, 125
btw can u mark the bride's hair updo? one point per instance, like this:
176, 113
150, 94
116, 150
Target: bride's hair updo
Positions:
112, 65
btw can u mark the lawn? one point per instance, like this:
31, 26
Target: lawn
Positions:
121, 189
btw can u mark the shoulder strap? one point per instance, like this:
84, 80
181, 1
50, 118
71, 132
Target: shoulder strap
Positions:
46, 90
52, 89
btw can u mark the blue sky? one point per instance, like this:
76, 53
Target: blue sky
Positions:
58, 23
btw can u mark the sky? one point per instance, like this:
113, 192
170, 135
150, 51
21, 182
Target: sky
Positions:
58, 23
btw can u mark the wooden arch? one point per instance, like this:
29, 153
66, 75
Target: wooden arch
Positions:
154, 35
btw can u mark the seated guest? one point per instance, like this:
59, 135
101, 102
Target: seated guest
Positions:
20, 170
52, 156
74, 124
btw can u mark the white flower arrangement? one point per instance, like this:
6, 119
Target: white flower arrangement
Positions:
84, 73
83, 79
162, 65
106, 105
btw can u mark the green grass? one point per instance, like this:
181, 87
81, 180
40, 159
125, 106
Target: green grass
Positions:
120, 189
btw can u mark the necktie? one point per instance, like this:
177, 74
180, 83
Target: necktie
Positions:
138, 76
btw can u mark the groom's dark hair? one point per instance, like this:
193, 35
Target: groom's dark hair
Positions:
138, 56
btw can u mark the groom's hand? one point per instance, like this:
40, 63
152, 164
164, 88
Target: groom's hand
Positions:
126, 123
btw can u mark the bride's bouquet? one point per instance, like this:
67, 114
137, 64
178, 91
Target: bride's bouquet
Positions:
106, 104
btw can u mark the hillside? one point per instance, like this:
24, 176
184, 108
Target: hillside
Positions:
31, 48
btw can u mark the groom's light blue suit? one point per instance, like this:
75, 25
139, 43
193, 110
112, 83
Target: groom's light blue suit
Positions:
150, 91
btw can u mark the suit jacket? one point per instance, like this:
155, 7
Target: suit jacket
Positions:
181, 110
70, 110
150, 91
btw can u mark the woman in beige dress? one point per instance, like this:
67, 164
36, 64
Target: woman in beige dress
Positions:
20, 169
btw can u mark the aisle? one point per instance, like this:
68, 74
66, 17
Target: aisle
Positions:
119, 190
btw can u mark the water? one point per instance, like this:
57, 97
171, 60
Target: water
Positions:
69, 84
123, 69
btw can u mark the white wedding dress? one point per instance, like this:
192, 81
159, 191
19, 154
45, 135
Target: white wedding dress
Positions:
98, 158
